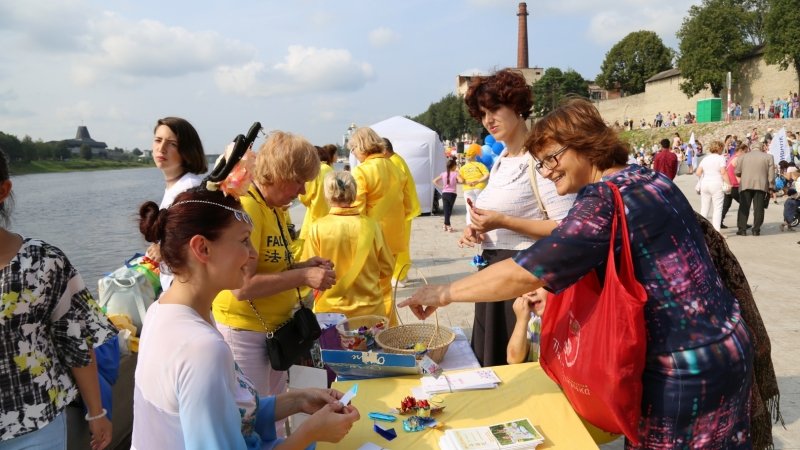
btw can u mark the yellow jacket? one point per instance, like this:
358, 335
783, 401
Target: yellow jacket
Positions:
355, 245
267, 239
473, 171
380, 196
314, 200
410, 198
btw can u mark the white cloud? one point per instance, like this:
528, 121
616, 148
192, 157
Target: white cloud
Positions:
304, 69
382, 36
473, 71
148, 48
50, 26
611, 26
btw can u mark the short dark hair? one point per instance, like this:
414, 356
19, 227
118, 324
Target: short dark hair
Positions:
388, 144
504, 88
173, 227
664, 143
189, 145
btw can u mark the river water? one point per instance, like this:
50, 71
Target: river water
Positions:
91, 216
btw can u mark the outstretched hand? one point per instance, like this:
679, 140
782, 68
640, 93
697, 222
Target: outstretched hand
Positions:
484, 220
427, 299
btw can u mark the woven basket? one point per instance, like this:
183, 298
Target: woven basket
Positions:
401, 339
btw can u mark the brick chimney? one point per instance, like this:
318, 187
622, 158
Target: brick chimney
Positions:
522, 37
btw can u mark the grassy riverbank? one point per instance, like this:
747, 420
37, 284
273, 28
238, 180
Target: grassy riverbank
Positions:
74, 165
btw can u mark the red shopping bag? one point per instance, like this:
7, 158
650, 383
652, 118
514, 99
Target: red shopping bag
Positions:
594, 340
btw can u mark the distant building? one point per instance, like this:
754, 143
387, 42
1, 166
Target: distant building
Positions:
82, 138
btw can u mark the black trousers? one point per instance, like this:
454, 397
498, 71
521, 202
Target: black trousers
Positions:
493, 322
759, 200
448, 200
728, 201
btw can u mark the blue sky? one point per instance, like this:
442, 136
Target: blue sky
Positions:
305, 66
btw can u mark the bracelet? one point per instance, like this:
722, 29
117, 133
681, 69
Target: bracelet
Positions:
99, 416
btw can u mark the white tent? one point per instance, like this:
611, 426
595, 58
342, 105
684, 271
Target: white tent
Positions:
420, 147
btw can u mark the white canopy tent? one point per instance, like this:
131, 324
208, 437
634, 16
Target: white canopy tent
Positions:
420, 147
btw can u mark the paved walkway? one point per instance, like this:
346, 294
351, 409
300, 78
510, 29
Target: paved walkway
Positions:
769, 260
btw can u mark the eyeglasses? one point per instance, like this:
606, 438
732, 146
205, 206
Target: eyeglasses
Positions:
549, 162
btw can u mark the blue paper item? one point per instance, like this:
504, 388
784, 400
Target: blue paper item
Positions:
381, 416
417, 423
352, 365
386, 433
479, 261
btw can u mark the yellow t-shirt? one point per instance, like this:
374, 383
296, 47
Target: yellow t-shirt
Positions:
340, 236
410, 198
314, 200
473, 171
272, 258
380, 196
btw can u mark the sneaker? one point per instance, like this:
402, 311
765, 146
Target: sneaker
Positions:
741, 233
723, 226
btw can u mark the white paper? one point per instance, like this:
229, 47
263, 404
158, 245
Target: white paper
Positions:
345, 400
370, 446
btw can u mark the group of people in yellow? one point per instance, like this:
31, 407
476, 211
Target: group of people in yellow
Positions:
354, 240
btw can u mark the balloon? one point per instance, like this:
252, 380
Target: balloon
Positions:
486, 150
497, 147
488, 160
489, 140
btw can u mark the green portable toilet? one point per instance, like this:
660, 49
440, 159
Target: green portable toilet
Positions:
709, 110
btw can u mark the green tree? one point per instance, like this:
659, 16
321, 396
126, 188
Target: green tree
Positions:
11, 145
62, 151
713, 40
783, 44
634, 59
554, 85
449, 118
137, 152
86, 152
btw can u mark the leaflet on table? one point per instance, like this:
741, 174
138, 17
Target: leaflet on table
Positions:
472, 379
518, 434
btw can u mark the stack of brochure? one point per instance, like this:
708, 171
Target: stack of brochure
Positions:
517, 434
461, 381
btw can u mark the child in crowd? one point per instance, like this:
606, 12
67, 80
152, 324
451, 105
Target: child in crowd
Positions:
523, 346
360, 255
790, 209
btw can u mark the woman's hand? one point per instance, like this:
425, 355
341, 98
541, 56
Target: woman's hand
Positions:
427, 299
484, 220
101, 433
331, 423
154, 252
312, 399
319, 278
470, 237
316, 261
523, 306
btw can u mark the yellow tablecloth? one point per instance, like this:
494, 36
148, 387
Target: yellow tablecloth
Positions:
526, 392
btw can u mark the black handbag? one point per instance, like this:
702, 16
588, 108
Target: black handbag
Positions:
287, 344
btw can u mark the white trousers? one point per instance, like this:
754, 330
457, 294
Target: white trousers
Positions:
711, 198
471, 194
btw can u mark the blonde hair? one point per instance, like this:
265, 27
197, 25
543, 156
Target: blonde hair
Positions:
286, 157
716, 147
340, 187
366, 141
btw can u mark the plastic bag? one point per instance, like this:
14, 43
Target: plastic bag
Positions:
126, 291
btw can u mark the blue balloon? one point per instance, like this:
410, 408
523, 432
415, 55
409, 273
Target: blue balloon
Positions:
488, 160
497, 147
489, 140
486, 150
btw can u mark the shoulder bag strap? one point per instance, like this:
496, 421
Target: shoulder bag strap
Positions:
535, 186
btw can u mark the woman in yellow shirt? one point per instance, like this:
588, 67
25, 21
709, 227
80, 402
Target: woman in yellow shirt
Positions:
473, 176
354, 243
379, 194
314, 197
284, 163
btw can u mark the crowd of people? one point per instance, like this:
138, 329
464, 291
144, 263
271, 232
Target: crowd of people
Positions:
235, 272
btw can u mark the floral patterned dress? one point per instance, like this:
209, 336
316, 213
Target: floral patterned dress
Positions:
48, 323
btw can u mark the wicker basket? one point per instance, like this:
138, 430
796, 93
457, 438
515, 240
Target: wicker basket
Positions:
401, 339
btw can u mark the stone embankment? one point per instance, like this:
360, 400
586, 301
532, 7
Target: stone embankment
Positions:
707, 132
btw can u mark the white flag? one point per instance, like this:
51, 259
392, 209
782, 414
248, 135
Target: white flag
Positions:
691, 140
778, 147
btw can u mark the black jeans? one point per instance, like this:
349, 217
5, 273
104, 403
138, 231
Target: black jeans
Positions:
448, 200
729, 198
759, 201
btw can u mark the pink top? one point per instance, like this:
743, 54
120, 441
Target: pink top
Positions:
731, 172
451, 184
